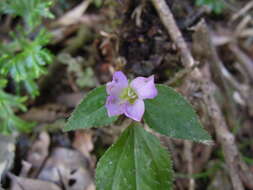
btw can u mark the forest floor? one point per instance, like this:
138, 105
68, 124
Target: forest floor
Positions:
92, 39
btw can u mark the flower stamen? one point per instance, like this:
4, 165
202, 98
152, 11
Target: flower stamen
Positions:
128, 94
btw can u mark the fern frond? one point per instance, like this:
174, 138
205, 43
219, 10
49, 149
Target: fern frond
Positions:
29, 63
215, 5
32, 11
8, 121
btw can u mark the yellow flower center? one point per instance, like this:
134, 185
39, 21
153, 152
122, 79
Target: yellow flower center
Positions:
129, 95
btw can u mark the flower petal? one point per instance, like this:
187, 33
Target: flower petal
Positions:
135, 111
117, 84
144, 87
114, 106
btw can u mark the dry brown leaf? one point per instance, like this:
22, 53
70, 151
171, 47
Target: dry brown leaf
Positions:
91, 187
73, 16
68, 168
70, 100
46, 113
7, 149
83, 142
39, 151
21, 183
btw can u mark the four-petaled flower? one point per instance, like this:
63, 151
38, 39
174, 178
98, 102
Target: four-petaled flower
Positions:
127, 98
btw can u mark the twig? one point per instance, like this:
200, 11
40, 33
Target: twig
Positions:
242, 11
180, 75
237, 168
170, 24
224, 136
72, 16
15, 180
244, 59
195, 17
242, 25
246, 33
202, 38
137, 14
231, 80
189, 160
247, 67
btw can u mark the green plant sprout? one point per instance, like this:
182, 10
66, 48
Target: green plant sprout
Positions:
8, 121
29, 63
23, 59
137, 160
32, 12
215, 5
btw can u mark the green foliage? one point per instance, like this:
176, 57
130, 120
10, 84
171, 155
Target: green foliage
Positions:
215, 5
28, 64
32, 11
170, 114
23, 59
91, 112
137, 161
8, 121
84, 77
98, 3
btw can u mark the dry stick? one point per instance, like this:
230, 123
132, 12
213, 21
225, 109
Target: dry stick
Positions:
208, 51
216, 66
180, 75
244, 90
171, 26
203, 39
224, 136
243, 11
245, 60
189, 160
187, 59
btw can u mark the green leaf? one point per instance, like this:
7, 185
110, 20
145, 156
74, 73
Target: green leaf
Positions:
29, 63
170, 114
31, 11
137, 161
91, 112
216, 6
9, 122
98, 3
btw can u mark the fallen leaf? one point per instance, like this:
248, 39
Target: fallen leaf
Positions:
38, 152
73, 15
83, 142
21, 183
69, 168
7, 148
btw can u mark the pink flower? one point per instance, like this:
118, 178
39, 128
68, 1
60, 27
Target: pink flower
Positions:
127, 98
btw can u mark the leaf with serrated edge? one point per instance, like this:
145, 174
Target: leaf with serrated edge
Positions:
91, 112
170, 114
137, 161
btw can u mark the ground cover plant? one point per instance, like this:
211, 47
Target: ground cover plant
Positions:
126, 94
